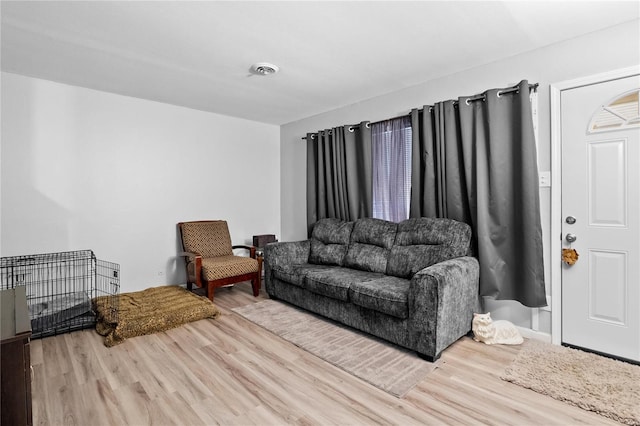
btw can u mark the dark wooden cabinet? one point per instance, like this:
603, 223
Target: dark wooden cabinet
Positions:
15, 358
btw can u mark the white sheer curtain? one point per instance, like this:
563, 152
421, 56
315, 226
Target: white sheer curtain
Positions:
391, 154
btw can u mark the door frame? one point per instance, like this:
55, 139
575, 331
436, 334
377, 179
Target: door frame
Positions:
555, 91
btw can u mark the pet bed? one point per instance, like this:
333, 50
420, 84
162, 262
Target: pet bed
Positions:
150, 311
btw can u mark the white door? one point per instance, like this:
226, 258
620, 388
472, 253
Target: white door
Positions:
601, 211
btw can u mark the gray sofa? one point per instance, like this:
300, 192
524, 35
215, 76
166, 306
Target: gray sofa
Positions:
411, 283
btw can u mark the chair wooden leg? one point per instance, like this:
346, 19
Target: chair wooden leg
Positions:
189, 286
255, 283
260, 266
210, 290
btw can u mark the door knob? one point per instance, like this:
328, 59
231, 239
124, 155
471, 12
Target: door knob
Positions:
571, 238
570, 220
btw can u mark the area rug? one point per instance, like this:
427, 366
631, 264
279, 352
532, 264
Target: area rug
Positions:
386, 366
591, 382
149, 311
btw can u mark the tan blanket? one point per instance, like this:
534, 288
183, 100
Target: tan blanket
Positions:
148, 311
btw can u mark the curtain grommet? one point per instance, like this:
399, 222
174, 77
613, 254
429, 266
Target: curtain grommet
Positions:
498, 94
466, 101
350, 129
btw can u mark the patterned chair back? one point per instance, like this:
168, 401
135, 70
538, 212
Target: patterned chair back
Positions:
207, 238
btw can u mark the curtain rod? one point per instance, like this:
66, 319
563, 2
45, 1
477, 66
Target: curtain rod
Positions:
351, 127
473, 98
500, 93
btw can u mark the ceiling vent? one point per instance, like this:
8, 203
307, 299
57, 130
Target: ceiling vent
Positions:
264, 68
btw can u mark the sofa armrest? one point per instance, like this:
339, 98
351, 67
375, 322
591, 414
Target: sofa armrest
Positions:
442, 300
287, 253
283, 255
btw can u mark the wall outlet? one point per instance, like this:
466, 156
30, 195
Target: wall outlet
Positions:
545, 179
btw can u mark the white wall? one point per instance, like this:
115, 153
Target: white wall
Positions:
601, 51
83, 169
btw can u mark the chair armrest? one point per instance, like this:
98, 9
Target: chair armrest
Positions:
189, 254
442, 300
252, 249
197, 261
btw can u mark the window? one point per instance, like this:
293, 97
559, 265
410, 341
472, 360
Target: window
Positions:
622, 112
391, 151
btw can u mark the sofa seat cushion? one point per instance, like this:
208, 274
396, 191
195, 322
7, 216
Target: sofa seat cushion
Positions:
296, 274
335, 282
388, 295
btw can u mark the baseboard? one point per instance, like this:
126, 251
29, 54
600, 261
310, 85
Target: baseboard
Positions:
532, 334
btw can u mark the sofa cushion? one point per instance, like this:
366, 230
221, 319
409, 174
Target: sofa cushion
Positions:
327, 254
329, 240
422, 242
295, 274
388, 295
371, 241
405, 261
334, 282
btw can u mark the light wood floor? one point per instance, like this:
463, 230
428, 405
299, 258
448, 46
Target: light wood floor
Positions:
230, 371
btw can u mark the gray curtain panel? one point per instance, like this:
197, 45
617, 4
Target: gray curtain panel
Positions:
476, 161
339, 177
439, 178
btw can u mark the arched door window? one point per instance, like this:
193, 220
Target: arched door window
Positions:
621, 112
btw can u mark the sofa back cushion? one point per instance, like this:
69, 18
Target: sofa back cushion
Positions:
371, 242
329, 241
422, 242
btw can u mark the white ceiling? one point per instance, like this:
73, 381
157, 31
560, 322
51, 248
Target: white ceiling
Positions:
331, 54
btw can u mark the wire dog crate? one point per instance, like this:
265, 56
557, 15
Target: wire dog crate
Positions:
60, 288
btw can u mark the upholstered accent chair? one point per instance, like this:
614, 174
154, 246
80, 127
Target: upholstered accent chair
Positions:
210, 260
